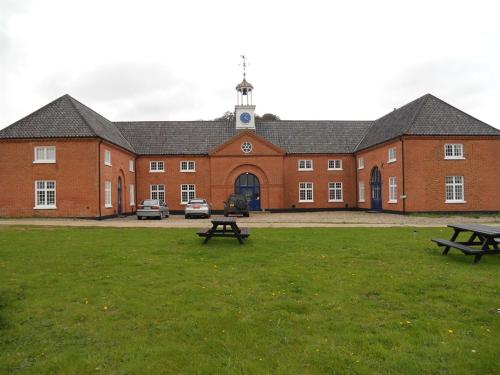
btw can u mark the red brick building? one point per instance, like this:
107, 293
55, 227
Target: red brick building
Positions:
65, 160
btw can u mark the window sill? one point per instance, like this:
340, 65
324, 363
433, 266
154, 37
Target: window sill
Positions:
335, 169
392, 202
306, 201
132, 204
457, 158
361, 201
329, 201
306, 170
455, 202
131, 171
359, 168
187, 171
157, 171
108, 164
44, 161
45, 208
391, 161
108, 206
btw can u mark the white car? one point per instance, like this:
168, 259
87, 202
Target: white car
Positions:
197, 207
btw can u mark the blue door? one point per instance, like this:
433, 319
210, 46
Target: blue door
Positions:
376, 190
248, 185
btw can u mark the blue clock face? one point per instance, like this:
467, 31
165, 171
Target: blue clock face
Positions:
245, 117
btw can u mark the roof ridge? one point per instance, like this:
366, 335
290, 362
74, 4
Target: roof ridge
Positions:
417, 112
71, 100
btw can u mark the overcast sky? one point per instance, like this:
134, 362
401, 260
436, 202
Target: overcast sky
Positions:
179, 60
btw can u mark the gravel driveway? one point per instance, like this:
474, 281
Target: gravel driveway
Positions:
276, 220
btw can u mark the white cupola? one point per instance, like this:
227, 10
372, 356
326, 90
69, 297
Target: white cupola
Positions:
244, 108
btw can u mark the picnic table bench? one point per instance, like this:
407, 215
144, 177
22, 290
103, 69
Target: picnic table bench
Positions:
484, 236
229, 228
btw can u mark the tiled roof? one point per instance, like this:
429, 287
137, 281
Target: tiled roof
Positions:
199, 137
65, 117
68, 118
426, 115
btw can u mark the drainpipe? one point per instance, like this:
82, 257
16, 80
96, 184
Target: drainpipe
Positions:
135, 183
99, 175
356, 188
403, 172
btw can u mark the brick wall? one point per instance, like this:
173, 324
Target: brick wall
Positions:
75, 173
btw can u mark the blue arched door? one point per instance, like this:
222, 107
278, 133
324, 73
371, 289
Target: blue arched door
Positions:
376, 190
248, 185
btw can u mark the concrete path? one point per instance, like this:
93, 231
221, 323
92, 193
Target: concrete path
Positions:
268, 220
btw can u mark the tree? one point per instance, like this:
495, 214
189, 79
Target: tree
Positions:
268, 117
229, 116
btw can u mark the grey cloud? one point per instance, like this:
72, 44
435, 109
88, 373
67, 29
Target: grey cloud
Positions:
453, 80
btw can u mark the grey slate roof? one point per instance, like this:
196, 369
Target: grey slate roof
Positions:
65, 117
426, 115
199, 137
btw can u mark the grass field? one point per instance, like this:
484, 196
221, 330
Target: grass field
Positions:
289, 301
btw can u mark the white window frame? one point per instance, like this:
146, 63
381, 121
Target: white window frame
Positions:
132, 194
188, 192
391, 155
45, 157
393, 190
306, 187
454, 187
45, 191
156, 164
158, 190
188, 166
335, 187
303, 165
108, 203
361, 163
454, 151
107, 158
131, 165
337, 165
361, 191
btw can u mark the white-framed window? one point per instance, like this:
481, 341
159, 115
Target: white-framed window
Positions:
132, 195
45, 154
131, 166
334, 164
391, 155
335, 192
158, 192
107, 194
305, 165
361, 163
188, 192
107, 157
188, 166
393, 190
361, 191
45, 194
306, 192
156, 166
454, 189
454, 151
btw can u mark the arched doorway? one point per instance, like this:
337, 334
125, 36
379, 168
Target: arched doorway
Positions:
248, 185
120, 209
376, 190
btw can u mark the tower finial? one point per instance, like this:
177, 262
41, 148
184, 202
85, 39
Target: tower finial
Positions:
244, 64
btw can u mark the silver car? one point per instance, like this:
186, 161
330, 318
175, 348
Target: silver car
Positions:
197, 207
152, 208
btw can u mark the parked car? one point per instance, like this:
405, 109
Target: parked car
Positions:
236, 204
152, 208
197, 207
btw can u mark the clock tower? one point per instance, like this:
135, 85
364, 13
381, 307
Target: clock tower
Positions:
244, 109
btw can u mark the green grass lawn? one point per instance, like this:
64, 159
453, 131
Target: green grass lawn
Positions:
289, 301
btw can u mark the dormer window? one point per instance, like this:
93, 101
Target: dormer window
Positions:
45, 154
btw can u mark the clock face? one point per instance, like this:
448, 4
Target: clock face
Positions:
245, 117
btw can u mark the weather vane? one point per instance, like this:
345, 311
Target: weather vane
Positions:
244, 64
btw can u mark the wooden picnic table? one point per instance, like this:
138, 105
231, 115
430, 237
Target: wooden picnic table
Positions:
485, 237
229, 228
